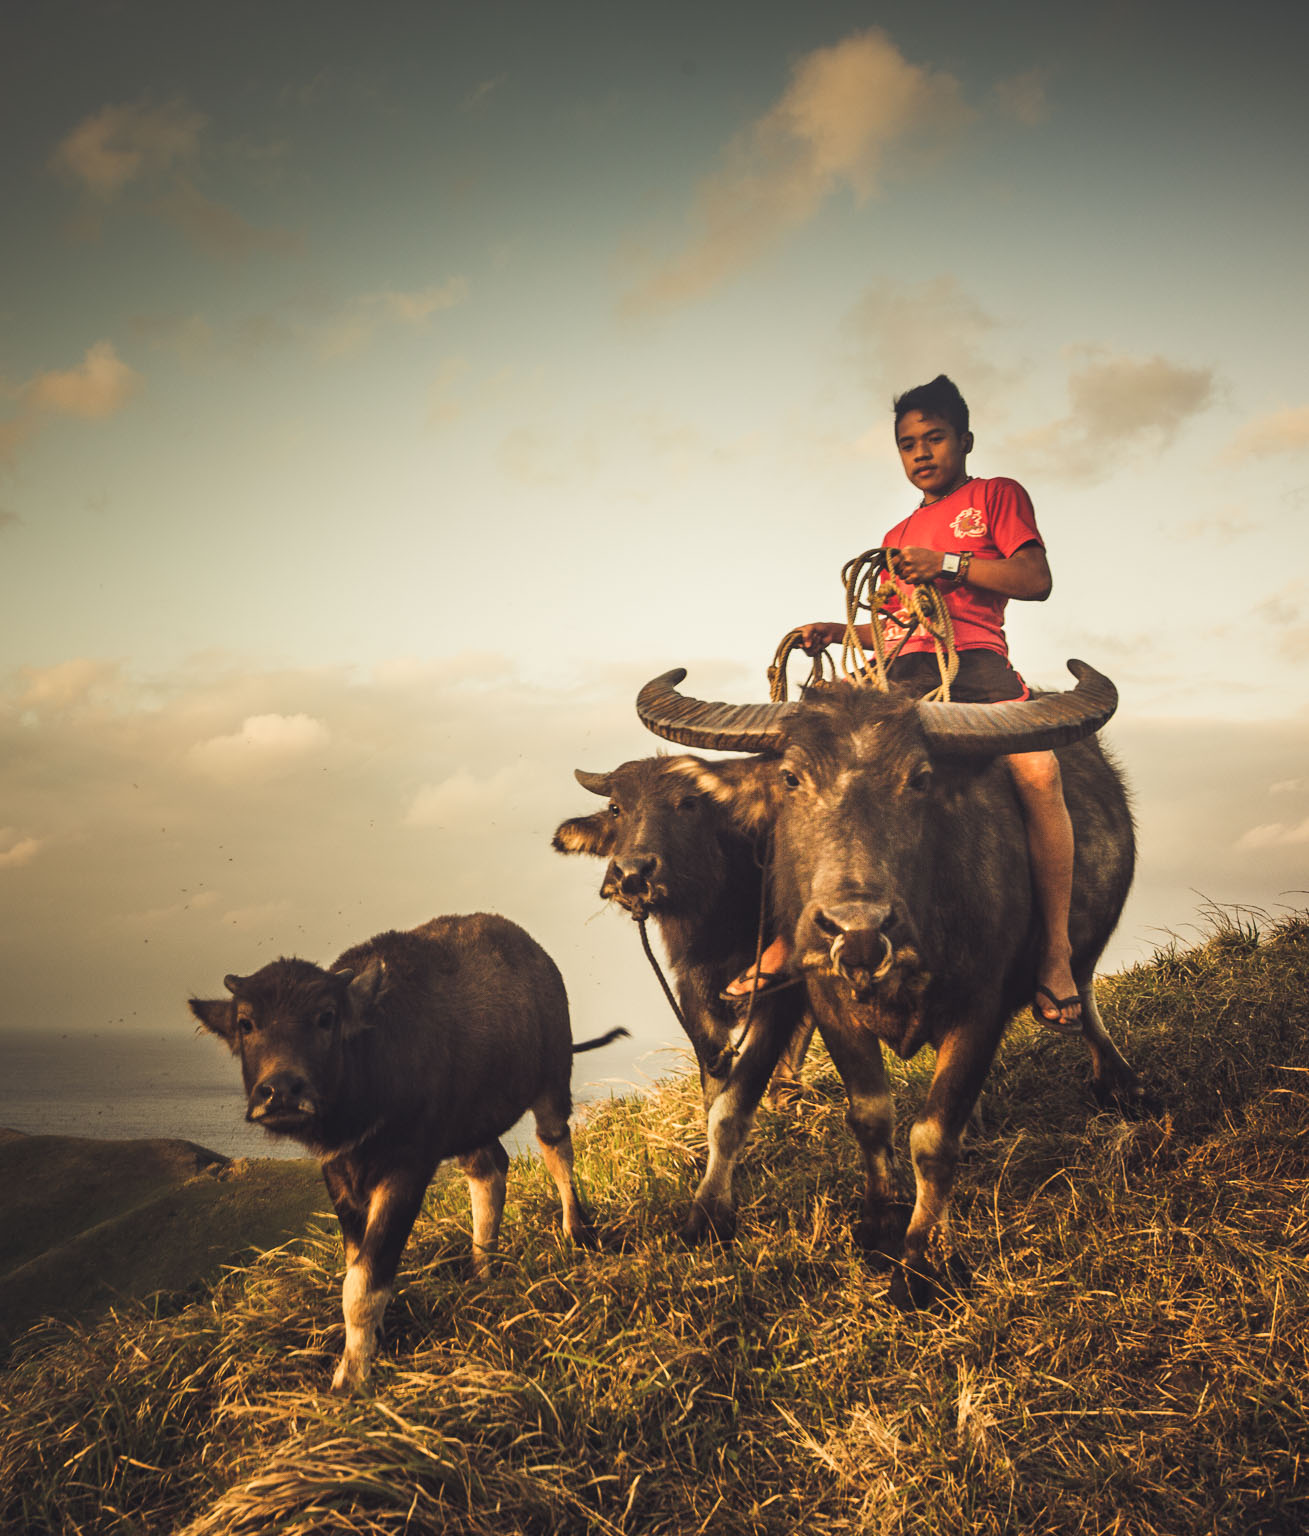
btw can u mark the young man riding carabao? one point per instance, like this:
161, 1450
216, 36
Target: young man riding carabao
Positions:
977, 539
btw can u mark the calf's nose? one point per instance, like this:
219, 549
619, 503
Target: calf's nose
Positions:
280, 1090
630, 877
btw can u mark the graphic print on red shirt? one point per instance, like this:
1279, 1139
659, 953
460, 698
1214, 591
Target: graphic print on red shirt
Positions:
991, 520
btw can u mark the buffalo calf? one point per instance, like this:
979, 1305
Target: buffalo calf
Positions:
413, 1048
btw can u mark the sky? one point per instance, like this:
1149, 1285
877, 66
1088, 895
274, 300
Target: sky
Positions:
388, 391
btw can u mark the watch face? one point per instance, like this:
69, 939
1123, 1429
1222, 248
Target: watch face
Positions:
950, 565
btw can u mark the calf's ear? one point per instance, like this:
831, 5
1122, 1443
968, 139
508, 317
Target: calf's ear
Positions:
218, 1016
363, 992
585, 834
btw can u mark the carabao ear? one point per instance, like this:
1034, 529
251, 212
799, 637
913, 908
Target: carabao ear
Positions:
585, 834
362, 994
218, 1016
746, 787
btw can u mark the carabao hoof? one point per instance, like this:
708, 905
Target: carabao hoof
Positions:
880, 1233
1127, 1096
706, 1225
916, 1287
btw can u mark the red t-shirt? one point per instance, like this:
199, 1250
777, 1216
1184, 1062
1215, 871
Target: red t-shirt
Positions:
992, 519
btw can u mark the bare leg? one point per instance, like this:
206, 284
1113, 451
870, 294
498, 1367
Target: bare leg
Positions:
1050, 847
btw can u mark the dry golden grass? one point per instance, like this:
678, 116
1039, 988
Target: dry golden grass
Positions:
1129, 1357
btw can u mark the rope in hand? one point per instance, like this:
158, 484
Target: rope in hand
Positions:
822, 672
882, 600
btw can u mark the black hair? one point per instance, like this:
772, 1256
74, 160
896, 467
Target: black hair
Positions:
939, 398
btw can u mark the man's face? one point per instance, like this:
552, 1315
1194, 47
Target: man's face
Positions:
933, 453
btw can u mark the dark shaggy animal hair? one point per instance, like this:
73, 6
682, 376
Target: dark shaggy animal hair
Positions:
831, 715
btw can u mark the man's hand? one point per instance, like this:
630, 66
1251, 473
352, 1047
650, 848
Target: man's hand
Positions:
818, 636
917, 564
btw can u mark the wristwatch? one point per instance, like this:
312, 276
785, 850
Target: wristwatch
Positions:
950, 566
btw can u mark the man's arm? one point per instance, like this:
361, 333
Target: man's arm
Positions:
1024, 575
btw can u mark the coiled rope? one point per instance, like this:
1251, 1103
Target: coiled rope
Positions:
882, 600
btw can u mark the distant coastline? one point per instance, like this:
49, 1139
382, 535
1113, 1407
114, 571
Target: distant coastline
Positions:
120, 1085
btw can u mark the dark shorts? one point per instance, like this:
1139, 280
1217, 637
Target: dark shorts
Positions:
984, 677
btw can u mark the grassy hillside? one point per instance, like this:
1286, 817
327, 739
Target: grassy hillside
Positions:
1130, 1355
89, 1223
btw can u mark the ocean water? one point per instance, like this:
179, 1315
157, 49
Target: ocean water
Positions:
119, 1087
123, 1086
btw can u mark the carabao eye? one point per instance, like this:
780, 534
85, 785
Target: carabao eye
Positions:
245, 1023
789, 779
920, 780
688, 802
326, 1019
615, 810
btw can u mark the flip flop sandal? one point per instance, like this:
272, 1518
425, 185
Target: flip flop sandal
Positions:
765, 984
1062, 1026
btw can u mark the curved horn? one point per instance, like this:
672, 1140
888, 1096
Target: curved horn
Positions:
1022, 725
711, 727
597, 783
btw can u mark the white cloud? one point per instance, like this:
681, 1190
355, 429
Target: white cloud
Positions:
123, 142
1120, 405
66, 685
843, 110
138, 833
159, 148
16, 851
94, 389
364, 316
1282, 432
99, 386
266, 746
466, 799
1275, 834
